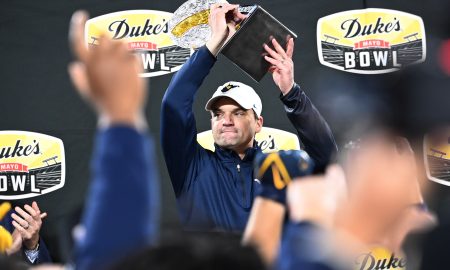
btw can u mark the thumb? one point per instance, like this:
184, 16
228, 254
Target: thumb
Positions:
79, 78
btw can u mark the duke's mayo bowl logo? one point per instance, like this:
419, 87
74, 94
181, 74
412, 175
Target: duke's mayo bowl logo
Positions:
370, 41
380, 258
31, 164
146, 32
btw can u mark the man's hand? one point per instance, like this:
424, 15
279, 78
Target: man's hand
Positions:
28, 223
107, 76
282, 66
222, 27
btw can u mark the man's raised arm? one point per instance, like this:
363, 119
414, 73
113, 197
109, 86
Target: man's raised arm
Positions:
178, 128
312, 129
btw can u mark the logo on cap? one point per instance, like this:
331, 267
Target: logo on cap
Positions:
228, 87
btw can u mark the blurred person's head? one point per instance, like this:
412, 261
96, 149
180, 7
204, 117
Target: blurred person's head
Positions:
196, 252
385, 199
235, 116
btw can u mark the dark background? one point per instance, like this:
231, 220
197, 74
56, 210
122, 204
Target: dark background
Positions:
36, 93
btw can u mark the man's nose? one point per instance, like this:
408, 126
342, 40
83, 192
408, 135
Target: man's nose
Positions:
228, 119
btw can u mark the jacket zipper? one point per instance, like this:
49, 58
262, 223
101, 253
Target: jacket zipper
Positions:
244, 197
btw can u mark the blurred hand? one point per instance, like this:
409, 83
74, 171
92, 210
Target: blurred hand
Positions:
107, 76
16, 243
316, 198
282, 66
28, 223
223, 18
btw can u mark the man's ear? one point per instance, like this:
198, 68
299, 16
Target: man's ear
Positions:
259, 124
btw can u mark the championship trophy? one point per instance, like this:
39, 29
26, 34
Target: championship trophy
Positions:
189, 25
189, 29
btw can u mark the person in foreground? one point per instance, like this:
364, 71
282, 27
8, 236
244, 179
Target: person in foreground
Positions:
336, 219
122, 208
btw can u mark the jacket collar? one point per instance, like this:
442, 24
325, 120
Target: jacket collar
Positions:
230, 155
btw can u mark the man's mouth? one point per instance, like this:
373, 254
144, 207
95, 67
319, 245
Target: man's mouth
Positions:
229, 131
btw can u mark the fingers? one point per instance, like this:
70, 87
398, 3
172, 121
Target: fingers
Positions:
279, 57
229, 7
272, 53
279, 49
35, 206
222, 8
218, 11
35, 213
25, 234
31, 211
76, 35
238, 15
20, 220
43, 215
277, 63
290, 47
24, 214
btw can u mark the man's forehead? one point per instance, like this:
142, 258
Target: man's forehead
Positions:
226, 103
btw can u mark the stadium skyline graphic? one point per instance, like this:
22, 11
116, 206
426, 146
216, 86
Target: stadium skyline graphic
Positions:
408, 52
46, 176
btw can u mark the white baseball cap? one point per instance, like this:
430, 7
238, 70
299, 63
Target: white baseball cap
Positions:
243, 94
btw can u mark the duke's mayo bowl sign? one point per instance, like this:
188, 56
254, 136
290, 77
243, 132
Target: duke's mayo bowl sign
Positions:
146, 32
370, 41
31, 164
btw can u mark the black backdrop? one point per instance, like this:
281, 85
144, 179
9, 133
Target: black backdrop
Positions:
36, 94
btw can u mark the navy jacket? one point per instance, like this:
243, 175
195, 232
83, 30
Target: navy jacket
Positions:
43, 255
215, 190
301, 249
122, 209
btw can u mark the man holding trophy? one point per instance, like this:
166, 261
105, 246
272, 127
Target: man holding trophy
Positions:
215, 190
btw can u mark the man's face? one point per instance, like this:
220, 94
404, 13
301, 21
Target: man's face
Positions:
233, 127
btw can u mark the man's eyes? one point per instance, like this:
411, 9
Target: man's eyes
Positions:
221, 114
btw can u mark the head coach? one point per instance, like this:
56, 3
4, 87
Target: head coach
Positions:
215, 190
